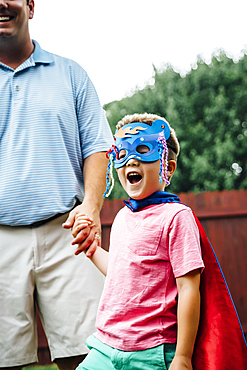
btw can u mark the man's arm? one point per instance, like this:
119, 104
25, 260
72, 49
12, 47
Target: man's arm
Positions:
94, 174
188, 319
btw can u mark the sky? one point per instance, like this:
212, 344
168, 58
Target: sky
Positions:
118, 42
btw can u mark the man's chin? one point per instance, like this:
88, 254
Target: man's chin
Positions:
5, 34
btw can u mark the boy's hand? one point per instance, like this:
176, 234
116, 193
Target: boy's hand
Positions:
181, 363
82, 221
92, 235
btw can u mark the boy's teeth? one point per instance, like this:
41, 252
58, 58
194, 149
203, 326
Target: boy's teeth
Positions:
134, 177
4, 18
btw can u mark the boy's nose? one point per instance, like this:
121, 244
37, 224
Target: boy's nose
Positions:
132, 162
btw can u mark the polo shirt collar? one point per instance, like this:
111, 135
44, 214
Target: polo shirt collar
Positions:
41, 56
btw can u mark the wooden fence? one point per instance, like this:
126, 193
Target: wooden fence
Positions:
224, 218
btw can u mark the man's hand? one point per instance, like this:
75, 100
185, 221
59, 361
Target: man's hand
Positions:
86, 230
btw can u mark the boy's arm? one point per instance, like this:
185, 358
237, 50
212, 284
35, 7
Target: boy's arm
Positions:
188, 314
100, 259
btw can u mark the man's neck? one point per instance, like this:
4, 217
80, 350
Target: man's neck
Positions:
14, 55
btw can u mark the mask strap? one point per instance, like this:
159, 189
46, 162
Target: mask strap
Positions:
112, 154
163, 164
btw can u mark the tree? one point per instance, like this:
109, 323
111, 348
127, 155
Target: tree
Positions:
208, 110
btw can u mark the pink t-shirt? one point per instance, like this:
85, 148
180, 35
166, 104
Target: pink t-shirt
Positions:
148, 250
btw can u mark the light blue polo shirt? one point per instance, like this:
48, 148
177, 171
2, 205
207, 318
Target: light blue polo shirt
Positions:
50, 120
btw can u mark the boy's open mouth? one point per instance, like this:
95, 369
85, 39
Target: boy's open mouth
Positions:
134, 177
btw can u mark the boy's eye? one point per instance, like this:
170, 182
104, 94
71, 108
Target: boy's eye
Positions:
122, 154
142, 149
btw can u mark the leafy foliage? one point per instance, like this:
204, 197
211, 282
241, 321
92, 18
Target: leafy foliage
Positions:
208, 110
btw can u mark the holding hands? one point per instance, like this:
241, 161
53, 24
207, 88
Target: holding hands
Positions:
83, 225
85, 230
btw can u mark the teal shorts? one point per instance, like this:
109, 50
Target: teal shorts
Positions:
103, 357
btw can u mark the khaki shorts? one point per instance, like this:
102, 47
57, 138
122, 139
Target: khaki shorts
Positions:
38, 264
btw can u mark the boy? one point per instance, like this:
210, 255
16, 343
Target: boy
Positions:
149, 311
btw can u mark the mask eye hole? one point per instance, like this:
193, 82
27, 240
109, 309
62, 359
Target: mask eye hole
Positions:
142, 149
122, 154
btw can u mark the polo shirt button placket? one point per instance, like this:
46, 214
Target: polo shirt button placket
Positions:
16, 87
16, 92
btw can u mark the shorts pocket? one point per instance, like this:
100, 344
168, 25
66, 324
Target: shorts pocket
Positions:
169, 353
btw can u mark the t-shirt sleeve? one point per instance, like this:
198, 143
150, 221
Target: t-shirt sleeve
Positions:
184, 244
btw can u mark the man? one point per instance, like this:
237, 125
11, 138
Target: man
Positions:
53, 138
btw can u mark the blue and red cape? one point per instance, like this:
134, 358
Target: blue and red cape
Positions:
220, 342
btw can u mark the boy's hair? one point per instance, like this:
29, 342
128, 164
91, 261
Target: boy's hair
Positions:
172, 142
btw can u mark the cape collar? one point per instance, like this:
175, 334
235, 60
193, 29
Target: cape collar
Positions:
155, 198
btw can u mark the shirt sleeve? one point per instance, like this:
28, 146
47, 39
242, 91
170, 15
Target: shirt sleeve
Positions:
184, 244
95, 132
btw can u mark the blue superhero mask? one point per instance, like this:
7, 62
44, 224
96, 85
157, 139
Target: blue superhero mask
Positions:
140, 141
132, 138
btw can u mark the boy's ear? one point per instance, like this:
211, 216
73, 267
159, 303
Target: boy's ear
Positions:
171, 168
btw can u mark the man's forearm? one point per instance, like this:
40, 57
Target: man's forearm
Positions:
94, 174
